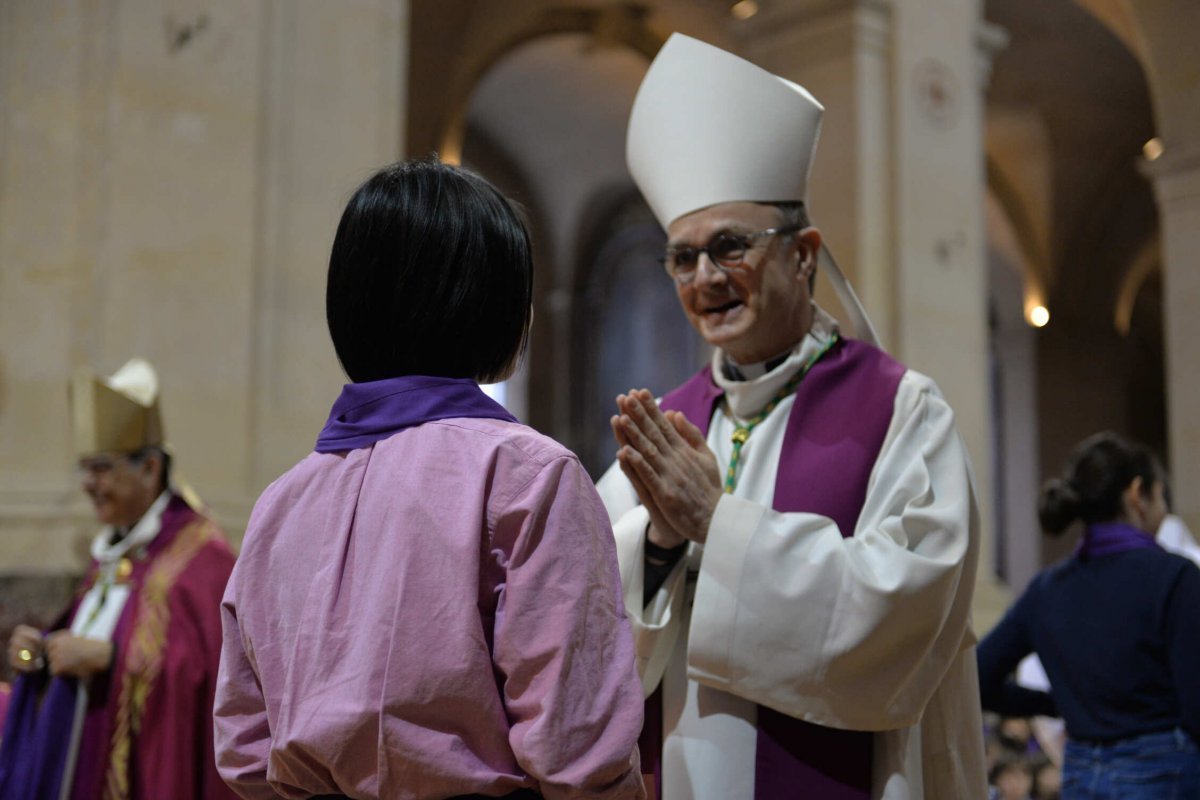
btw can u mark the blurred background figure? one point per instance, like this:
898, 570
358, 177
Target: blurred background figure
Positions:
115, 700
1115, 627
1050, 732
1047, 780
1010, 778
1015, 734
1012, 753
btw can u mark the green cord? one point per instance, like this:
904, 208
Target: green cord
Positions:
742, 432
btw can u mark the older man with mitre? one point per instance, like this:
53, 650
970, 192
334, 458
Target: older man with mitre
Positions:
115, 701
796, 524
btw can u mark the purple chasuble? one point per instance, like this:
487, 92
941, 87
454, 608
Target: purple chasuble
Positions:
37, 732
1109, 538
836, 428
367, 412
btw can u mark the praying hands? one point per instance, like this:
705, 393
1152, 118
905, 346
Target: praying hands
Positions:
671, 467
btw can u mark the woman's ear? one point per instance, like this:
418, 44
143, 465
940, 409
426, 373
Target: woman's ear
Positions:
1136, 500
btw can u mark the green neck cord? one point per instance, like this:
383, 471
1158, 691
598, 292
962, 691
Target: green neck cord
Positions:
742, 432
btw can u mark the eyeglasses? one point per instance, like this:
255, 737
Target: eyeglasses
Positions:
726, 251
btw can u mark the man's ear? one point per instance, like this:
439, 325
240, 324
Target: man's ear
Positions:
151, 467
808, 245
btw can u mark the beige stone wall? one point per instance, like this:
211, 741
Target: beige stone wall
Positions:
170, 179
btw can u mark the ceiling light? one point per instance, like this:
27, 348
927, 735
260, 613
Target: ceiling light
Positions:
744, 9
1039, 316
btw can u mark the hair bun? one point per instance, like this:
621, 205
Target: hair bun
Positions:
1059, 506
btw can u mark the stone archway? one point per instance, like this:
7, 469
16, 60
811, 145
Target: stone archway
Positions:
547, 86
613, 26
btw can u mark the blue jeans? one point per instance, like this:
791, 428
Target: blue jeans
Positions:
1157, 766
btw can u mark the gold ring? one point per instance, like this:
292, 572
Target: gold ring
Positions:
25, 654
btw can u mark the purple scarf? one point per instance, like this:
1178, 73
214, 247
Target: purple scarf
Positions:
1109, 538
367, 412
837, 425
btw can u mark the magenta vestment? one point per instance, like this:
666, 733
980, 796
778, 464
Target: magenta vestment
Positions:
146, 733
435, 614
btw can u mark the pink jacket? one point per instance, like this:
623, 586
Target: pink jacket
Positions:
437, 614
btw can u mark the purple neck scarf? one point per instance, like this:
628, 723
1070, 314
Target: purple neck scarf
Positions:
1109, 538
366, 413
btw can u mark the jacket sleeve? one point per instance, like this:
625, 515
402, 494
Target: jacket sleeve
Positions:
999, 654
656, 624
562, 642
854, 632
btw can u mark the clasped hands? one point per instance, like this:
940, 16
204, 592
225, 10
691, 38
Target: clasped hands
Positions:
671, 467
65, 653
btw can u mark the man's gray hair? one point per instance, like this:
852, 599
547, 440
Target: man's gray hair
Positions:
164, 459
795, 213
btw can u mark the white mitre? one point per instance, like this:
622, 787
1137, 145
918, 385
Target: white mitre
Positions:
708, 127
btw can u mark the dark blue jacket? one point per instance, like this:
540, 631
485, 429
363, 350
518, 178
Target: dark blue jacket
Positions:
1119, 636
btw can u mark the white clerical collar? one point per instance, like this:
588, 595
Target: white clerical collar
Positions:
107, 552
745, 398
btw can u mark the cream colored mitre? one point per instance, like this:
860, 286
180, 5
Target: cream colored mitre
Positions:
119, 414
709, 127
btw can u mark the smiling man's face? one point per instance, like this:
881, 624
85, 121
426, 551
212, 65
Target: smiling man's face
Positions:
121, 487
762, 307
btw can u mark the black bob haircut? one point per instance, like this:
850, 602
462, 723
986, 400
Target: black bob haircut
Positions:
431, 273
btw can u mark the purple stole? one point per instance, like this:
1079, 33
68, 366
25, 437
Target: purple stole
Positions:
36, 736
842, 412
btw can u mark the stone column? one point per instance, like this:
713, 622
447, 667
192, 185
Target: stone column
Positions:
1176, 178
332, 94
1168, 32
898, 188
841, 52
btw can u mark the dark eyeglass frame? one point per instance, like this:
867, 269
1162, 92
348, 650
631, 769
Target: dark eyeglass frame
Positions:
98, 465
105, 464
727, 252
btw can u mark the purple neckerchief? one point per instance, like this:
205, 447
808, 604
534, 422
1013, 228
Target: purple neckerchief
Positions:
1108, 538
367, 412
836, 428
